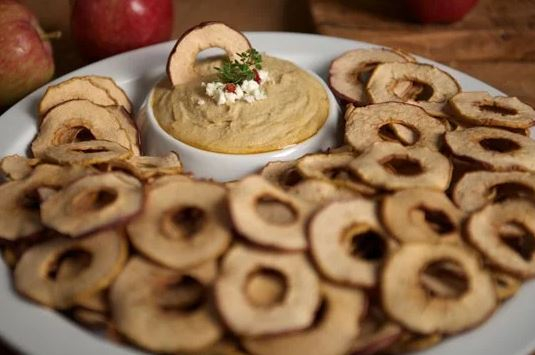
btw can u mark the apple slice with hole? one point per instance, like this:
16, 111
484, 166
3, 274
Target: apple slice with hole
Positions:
181, 62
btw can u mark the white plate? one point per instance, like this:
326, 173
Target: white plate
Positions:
35, 330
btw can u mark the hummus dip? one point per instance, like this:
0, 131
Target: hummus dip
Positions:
296, 107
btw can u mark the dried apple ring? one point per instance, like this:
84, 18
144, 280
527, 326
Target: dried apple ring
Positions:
93, 202
184, 223
377, 332
410, 342
494, 148
332, 333
77, 88
349, 73
19, 205
268, 216
348, 243
147, 167
421, 215
91, 319
181, 62
16, 167
333, 168
283, 174
412, 305
114, 90
506, 285
374, 123
436, 85
79, 120
479, 108
393, 167
86, 153
479, 188
512, 253
105, 252
162, 310
320, 192
291, 308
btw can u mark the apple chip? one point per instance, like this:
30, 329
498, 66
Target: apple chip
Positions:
90, 319
80, 120
513, 253
421, 215
162, 310
77, 88
181, 63
20, 203
114, 90
392, 121
184, 223
268, 216
433, 84
377, 332
291, 308
148, 167
348, 243
93, 202
479, 188
349, 73
506, 285
105, 254
479, 108
283, 174
16, 167
494, 148
333, 168
393, 167
332, 333
406, 299
320, 192
85, 153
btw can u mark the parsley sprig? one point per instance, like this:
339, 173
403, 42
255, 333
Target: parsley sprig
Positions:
244, 68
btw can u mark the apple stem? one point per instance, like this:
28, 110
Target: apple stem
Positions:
51, 35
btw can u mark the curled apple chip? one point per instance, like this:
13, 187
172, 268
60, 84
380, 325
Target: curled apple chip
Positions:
392, 166
20, 202
85, 153
349, 73
162, 310
268, 216
332, 332
480, 108
105, 254
418, 309
291, 308
93, 202
184, 223
410, 342
90, 319
434, 85
348, 243
511, 252
406, 124
81, 120
147, 167
333, 168
181, 62
16, 167
421, 215
479, 188
319, 192
494, 148
283, 174
506, 285
114, 90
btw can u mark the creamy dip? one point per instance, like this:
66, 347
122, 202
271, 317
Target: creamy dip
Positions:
295, 108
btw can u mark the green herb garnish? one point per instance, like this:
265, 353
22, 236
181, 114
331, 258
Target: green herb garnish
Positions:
244, 68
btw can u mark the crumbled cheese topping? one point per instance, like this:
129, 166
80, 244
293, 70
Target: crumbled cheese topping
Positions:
248, 91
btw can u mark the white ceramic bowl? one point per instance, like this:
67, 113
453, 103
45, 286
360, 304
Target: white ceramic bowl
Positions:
227, 167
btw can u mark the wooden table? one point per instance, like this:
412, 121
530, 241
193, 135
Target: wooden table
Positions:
495, 42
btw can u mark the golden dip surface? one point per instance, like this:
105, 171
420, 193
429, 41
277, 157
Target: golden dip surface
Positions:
296, 107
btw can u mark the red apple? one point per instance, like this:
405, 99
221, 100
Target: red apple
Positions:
102, 28
441, 11
26, 60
